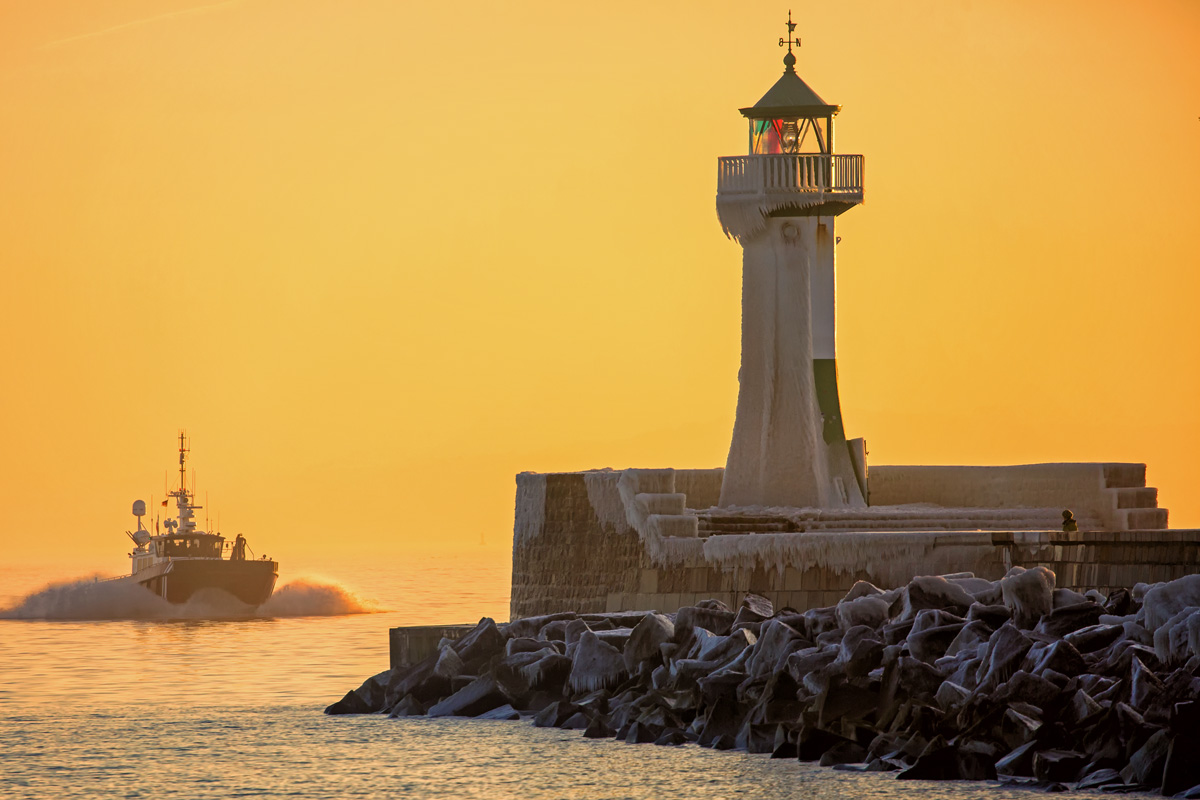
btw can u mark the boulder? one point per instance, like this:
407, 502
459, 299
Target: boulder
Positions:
1165, 600
784, 749
758, 605
449, 663
646, 640
1069, 618
756, 738
950, 695
597, 665
352, 703
933, 592
485, 641
930, 644
1019, 762
578, 721
776, 643
870, 610
408, 706
524, 644
1023, 686
844, 701
504, 712
528, 627
969, 637
671, 737
845, 752
1146, 765
574, 630
598, 729
548, 672
1119, 602
1028, 594
1081, 708
1068, 597
1017, 728
1058, 765
993, 615
1145, 687
1095, 779
1170, 640
1094, 637
368, 698
812, 743
862, 589
1061, 656
722, 719
555, 714
948, 763
717, 620
1006, 650
810, 659
480, 695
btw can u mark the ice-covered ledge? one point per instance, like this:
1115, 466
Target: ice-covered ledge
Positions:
750, 188
608, 540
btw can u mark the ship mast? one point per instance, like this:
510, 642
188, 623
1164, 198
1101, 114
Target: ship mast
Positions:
182, 469
183, 501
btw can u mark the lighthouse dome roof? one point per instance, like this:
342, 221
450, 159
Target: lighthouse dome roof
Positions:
790, 97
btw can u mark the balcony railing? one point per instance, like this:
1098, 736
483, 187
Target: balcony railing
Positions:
836, 174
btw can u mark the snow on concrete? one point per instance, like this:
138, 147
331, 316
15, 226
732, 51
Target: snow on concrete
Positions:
530, 516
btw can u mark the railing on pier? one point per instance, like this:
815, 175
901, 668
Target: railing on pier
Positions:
837, 174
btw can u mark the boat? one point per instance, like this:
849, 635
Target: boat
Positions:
183, 560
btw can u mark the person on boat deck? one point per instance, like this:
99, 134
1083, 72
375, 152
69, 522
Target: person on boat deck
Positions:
239, 549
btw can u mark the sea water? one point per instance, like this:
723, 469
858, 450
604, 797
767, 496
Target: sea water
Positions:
104, 696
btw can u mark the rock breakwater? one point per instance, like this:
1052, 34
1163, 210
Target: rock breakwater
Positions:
951, 677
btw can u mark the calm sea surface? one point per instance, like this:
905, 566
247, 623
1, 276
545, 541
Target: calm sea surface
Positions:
206, 707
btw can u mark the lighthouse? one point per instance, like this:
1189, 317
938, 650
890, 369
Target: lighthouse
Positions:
779, 202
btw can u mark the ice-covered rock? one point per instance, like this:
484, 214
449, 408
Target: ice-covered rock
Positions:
933, 592
596, 665
1028, 594
866, 609
646, 641
1064, 619
1171, 638
449, 663
948, 676
1165, 600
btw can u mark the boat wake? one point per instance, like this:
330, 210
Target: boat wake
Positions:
93, 598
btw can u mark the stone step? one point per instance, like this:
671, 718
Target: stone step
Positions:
782, 526
1137, 497
1045, 522
738, 519
1124, 476
1144, 519
662, 502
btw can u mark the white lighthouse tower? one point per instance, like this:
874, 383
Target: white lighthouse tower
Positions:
780, 202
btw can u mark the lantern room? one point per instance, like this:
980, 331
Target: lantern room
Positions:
791, 118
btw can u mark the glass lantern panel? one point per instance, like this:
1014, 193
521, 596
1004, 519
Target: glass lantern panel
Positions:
765, 136
802, 136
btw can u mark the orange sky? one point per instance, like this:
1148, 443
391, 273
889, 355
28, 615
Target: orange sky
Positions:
377, 257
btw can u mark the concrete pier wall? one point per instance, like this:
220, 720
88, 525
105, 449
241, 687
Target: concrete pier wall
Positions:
591, 542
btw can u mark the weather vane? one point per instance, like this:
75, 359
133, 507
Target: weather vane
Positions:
791, 28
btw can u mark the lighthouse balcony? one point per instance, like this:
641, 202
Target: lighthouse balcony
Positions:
752, 188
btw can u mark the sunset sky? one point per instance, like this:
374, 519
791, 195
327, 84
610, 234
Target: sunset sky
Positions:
376, 257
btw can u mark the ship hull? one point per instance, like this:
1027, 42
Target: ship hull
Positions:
249, 581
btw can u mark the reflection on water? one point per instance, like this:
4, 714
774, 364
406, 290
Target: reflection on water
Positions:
294, 752
287, 654
204, 708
